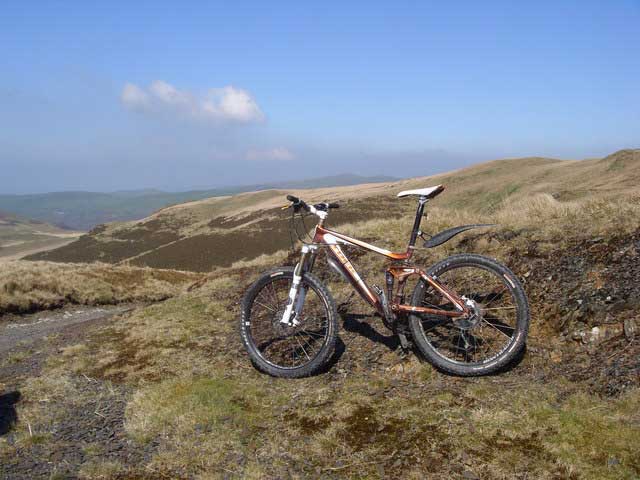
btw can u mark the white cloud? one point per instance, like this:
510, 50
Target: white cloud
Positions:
226, 104
134, 97
234, 103
278, 153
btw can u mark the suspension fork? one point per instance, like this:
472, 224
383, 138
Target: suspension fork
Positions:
297, 292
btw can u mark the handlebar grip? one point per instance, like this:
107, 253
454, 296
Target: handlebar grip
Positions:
293, 199
334, 205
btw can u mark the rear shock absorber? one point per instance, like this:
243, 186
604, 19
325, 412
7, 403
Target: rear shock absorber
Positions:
389, 281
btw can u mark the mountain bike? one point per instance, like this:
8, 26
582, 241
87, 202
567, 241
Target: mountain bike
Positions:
468, 315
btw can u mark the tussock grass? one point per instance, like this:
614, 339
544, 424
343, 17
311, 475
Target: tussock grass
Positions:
44, 395
244, 425
584, 217
540, 218
584, 435
540, 212
32, 286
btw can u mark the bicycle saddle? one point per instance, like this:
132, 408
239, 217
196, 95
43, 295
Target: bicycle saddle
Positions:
428, 192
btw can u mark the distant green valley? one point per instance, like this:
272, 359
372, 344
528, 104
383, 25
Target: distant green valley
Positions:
84, 210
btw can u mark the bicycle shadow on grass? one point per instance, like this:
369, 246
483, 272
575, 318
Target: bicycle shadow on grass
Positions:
352, 323
8, 414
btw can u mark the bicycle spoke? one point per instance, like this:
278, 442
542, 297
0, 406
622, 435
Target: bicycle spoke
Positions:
263, 305
267, 299
496, 296
305, 352
275, 294
313, 334
492, 325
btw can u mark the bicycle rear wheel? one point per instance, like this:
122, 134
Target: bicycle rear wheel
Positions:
484, 341
279, 349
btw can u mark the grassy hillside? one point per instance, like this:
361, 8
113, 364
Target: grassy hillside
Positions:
216, 232
85, 210
19, 236
166, 391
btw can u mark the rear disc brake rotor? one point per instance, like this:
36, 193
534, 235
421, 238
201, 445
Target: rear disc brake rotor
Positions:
472, 319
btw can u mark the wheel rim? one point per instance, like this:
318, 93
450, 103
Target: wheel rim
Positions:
483, 335
281, 345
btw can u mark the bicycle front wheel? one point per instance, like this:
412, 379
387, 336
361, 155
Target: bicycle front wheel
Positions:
284, 350
487, 339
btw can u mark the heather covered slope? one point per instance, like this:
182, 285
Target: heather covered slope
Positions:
197, 235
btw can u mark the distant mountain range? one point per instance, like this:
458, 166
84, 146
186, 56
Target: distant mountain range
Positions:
84, 210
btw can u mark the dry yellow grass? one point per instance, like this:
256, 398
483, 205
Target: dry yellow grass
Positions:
31, 286
541, 217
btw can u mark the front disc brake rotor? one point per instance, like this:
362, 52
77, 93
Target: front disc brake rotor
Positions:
282, 329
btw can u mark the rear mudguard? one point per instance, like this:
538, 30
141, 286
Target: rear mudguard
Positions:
446, 235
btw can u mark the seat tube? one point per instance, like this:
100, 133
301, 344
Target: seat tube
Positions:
416, 223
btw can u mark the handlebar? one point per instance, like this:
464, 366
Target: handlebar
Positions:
298, 203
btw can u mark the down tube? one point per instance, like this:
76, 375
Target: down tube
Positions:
355, 280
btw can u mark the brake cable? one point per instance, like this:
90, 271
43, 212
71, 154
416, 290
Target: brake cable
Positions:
291, 220
293, 227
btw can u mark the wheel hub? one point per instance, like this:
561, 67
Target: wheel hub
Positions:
472, 319
282, 329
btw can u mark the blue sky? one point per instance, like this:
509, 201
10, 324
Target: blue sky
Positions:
121, 95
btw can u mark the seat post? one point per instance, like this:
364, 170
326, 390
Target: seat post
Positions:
416, 224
